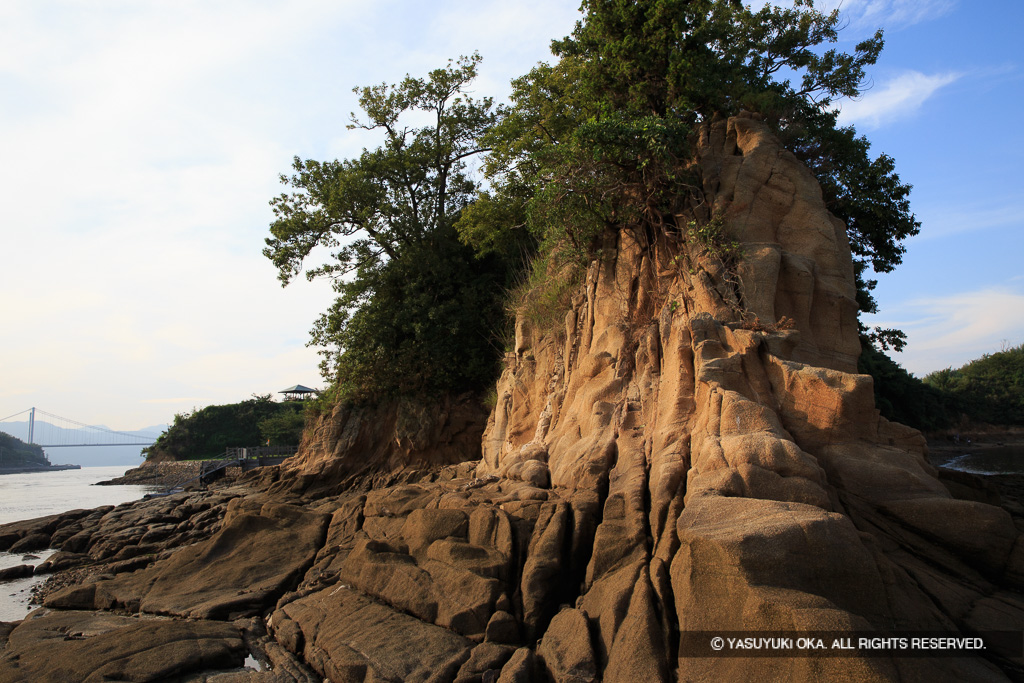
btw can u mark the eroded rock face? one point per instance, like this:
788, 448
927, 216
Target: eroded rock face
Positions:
350, 442
669, 461
745, 479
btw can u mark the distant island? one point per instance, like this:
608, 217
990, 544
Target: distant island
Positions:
17, 456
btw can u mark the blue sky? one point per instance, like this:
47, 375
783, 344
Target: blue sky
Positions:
140, 144
960, 290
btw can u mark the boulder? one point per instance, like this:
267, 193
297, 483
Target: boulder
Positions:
565, 649
260, 553
87, 646
520, 668
346, 636
16, 572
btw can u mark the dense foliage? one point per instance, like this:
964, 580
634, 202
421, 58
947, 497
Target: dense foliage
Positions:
599, 139
207, 432
989, 389
900, 396
417, 309
16, 453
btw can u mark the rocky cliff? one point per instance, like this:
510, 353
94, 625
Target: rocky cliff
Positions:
694, 451
348, 444
691, 451
733, 472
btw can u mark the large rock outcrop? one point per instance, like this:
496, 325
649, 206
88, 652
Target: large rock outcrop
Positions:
743, 478
692, 451
68, 646
347, 443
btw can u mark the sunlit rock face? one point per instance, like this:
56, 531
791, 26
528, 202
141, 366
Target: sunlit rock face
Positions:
732, 471
348, 443
689, 449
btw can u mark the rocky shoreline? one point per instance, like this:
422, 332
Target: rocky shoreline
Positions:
188, 586
1010, 487
38, 468
977, 438
158, 474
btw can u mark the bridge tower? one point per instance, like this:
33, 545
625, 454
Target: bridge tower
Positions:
31, 423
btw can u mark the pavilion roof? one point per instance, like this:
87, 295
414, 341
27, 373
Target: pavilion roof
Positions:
298, 389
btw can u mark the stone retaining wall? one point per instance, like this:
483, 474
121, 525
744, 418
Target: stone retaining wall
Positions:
160, 473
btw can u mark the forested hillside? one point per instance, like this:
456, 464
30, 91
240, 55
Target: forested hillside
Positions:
207, 432
16, 453
989, 389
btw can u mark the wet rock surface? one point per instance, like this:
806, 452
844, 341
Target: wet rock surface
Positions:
670, 461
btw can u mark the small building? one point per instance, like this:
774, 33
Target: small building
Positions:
298, 393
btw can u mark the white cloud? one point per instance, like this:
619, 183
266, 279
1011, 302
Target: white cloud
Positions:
899, 98
950, 331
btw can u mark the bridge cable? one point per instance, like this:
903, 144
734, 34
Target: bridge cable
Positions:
95, 427
15, 415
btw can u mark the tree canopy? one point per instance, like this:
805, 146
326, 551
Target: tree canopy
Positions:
597, 138
16, 453
392, 198
416, 308
989, 389
207, 432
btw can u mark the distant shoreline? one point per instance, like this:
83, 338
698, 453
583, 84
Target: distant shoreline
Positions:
974, 439
39, 468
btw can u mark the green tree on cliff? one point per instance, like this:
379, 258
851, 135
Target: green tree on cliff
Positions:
16, 453
598, 137
416, 307
207, 432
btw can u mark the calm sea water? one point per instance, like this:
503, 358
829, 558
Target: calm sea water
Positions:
26, 496
995, 460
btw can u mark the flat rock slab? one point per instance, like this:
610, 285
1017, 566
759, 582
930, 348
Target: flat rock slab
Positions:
90, 646
347, 636
259, 554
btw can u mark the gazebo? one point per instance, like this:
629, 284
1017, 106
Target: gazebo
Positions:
297, 393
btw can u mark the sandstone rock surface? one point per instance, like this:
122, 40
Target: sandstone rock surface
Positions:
392, 436
746, 480
259, 553
692, 451
66, 646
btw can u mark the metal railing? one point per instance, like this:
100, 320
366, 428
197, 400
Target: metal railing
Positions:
250, 452
250, 455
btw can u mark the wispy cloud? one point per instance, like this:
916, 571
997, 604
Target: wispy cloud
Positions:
890, 14
952, 330
898, 98
945, 221
141, 143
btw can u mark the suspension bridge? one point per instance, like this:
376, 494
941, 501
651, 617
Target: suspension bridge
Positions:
53, 431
